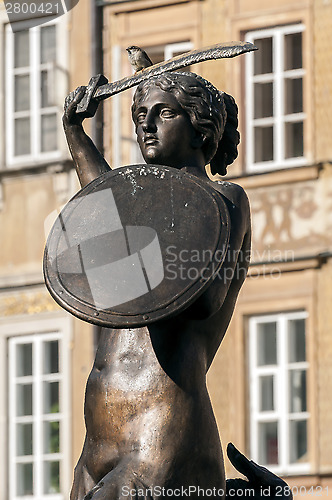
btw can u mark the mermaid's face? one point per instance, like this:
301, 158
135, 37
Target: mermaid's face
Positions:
164, 131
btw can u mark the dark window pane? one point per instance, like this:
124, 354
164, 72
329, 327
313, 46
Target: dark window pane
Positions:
22, 92
268, 443
296, 340
266, 391
293, 96
24, 479
22, 136
263, 56
46, 86
23, 360
263, 144
298, 441
49, 133
24, 439
293, 51
156, 54
51, 437
51, 397
48, 44
297, 391
263, 105
24, 399
51, 357
51, 477
267, 343
294, 139
21, 44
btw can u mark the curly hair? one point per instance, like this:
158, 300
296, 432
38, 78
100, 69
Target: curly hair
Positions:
212, 113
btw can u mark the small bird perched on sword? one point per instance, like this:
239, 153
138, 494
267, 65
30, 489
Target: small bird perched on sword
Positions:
138, 58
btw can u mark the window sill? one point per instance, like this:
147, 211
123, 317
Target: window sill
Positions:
18, 162
275, 177
292, 471
119, 6
57, 165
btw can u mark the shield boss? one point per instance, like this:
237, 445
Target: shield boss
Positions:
136, 245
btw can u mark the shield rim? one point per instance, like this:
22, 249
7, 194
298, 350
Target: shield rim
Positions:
87, 312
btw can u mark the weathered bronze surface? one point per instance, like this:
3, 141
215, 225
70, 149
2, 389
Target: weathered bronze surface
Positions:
82, 264
150, 428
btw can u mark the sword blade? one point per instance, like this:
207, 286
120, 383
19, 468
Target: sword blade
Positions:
218, 51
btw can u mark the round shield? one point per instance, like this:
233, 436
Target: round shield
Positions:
136, 245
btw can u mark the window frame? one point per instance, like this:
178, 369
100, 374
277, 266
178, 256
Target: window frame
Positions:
279, 119
58, 72
42, 328
280, 371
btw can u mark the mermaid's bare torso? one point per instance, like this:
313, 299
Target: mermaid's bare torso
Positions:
148, 415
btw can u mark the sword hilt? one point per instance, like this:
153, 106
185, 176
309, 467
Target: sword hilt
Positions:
87, 107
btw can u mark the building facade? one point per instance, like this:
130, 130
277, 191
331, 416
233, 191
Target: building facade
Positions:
46, 355
270, 382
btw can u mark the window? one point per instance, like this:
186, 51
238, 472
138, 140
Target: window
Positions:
34, 83
274, 105
38, 410
164, 52
278, 394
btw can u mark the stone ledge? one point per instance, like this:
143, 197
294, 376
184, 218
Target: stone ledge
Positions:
275, 177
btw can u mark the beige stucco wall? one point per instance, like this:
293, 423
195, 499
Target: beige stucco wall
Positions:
79, 44
28, 199
324, 374
322, 74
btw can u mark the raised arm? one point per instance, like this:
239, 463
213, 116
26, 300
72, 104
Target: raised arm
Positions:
89, 162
